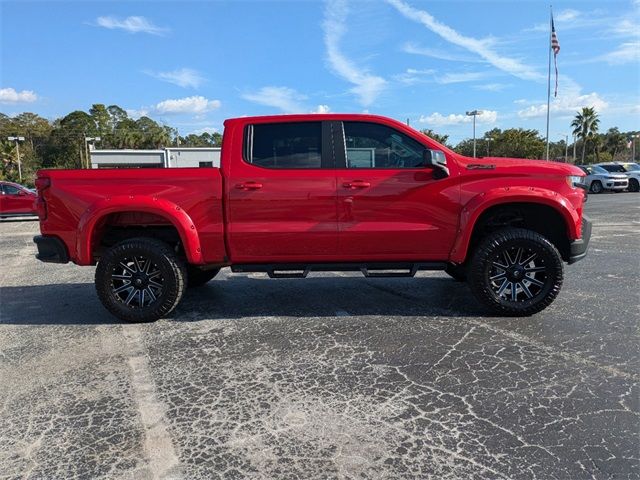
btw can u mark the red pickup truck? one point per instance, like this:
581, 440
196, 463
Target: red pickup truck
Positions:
301, 193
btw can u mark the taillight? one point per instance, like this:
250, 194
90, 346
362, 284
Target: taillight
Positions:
42, 183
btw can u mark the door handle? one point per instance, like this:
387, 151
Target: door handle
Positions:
356, 184
249, 186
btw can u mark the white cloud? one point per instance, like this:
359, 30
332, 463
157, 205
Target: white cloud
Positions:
440, 54
134, 24
191, 105
10, 95
284, 98
412, 76
136, 113
492, 87
437, 119
482, 48
459, 77
322, 109
625, 53
367, 86
566, 15
183, 77
570, 99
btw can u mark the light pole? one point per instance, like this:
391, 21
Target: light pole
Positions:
87, 141
574, 148
633, 146
489, 139
18, 140
474, 114
566, 146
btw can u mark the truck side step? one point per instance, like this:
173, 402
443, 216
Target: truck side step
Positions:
370, 270
285, 273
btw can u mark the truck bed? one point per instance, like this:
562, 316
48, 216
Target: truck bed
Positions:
189, 199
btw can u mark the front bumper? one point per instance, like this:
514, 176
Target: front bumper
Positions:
51, 249
578, 248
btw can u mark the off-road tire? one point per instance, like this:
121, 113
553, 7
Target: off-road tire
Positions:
510, 240
173, 275
197, 277
596, 187
634, 185
457, 272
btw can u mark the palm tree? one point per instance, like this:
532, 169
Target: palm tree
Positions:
585, 126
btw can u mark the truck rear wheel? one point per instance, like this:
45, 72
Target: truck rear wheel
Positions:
140, 280
516, 272
197, 277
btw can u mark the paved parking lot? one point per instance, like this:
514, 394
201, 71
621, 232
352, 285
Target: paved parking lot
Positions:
332, 376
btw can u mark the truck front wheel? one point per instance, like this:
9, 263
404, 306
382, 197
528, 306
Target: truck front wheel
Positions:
516, 272
140, 280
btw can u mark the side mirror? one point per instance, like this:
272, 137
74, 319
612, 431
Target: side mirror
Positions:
436, 160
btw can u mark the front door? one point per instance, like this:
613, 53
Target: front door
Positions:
390, 207
282, 195
15, 200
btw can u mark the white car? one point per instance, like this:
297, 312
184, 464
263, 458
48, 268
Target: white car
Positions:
631, 170
598, 179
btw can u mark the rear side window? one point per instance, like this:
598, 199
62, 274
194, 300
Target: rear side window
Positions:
284, 145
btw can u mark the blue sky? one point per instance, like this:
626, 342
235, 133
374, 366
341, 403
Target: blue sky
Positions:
192, 64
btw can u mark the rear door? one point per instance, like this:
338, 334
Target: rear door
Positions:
389, 205
282, 194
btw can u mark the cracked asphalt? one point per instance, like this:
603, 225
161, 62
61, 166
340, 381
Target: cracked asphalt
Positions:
335, 376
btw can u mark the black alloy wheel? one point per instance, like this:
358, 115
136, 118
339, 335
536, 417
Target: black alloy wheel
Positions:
516, 272
140, 280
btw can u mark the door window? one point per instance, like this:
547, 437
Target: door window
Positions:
371, 145
11, 190
284, 145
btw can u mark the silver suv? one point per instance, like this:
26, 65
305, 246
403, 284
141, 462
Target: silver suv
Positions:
631, 170
598, 179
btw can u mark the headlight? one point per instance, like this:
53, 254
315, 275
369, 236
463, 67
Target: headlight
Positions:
575, 181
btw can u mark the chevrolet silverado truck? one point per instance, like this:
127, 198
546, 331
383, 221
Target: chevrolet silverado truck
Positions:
302, 193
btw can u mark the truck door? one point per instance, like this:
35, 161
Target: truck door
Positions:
389, 205
282, 194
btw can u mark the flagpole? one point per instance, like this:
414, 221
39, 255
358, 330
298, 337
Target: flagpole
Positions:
549, 82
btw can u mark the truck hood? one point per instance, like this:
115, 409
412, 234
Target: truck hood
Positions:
521, 166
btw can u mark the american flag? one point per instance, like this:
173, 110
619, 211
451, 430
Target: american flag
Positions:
555, 46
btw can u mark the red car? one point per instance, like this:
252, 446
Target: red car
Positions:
16, 200
298, 193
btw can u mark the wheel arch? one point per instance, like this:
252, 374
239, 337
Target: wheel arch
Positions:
547, 212
98, 212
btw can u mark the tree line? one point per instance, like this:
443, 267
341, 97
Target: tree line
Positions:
63, 142
585, 143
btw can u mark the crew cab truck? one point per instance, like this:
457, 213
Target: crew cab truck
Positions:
302, 193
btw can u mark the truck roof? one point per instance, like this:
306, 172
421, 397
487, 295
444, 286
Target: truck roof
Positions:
298, 117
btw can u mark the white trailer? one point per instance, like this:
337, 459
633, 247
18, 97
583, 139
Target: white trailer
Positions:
187, 157
177, 157
127, 158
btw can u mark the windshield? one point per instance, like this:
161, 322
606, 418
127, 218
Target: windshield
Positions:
614, 168
596, 169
